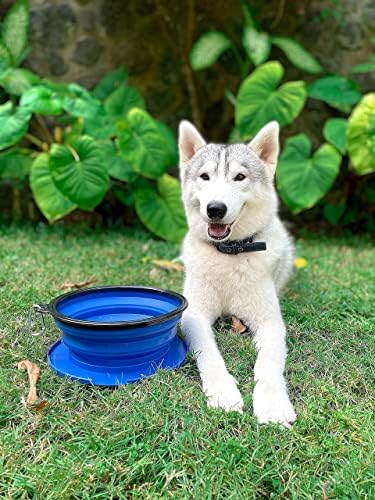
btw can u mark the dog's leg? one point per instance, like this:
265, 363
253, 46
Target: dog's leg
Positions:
270, 400
218, 385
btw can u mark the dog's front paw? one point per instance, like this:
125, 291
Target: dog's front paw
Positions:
222, 392
272, 405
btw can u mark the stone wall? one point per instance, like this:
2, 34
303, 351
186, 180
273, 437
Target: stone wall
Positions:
81, 40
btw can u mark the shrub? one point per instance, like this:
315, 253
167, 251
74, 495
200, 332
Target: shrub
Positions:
73, 145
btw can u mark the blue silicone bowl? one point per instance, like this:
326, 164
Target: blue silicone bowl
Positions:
113, 335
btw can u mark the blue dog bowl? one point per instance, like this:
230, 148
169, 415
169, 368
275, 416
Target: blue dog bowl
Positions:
113, 335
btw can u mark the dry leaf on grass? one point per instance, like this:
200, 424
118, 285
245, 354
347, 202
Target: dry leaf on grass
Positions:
238, 326
40, 406
33, 372
80, 284
169, 265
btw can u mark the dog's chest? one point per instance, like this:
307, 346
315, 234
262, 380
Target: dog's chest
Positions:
226, 271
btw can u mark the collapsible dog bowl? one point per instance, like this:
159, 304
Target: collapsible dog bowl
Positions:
113, 335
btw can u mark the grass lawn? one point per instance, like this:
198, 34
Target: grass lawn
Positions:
157, 439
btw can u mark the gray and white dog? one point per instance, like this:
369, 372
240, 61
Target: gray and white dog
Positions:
231, 207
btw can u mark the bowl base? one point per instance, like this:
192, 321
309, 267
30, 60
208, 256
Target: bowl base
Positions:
62, 362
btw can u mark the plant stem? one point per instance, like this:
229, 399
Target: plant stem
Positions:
35, 140
16, 203
44, 128
240, 61
73, 151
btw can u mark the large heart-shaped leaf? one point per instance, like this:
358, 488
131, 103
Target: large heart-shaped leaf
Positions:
208, 48
17, 81
260, 100
161, 209
123, 100
119, 168
80, 171
361, 136
297, 55
15, 30
142, 144
50, 200
42, 100
256, 44
302, 179
15, 164
110, 82
334, 132
14, 122
337, 91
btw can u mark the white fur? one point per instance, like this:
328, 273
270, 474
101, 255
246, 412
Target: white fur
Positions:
245, 285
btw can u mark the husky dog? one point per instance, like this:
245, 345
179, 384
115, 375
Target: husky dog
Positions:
231, 207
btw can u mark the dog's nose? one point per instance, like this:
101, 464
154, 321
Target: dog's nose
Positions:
216, 210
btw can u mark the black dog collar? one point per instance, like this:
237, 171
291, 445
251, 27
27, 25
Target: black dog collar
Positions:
234, 247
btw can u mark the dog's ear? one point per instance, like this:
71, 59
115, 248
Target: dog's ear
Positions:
266, 145
189, 141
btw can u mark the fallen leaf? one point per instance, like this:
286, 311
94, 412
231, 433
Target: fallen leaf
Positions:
169, 265
238, 326
300, 262
41, 405
33, 372
80, 284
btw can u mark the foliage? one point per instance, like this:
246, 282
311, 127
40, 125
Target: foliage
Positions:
74, 146
304, 178
297, 167
260, 100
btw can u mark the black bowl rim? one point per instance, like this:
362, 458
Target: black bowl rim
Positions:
52, 308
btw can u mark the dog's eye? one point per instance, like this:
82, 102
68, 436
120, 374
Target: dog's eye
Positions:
205, 177
240, 177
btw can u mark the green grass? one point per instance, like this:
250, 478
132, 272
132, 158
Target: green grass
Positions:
157, 439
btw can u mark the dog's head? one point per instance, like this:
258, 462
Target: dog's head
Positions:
228, 189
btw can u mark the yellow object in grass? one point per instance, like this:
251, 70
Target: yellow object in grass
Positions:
300, 262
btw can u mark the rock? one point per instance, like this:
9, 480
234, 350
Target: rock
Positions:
87, 52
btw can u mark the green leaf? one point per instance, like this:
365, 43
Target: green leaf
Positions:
260, 100
334, 132
15, 30
110, 82
125, 194
4, 58
142, 144
42, 100
256, 44
17, 81
366, 67
170, 140
123, 100
80, 103
361, 136
14, 123
333, 213
337, 91
119, 168
208, 48
80, 172
161, 209
302, 179
297, 54
101, 126
50, 200
248, 14
15, 164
